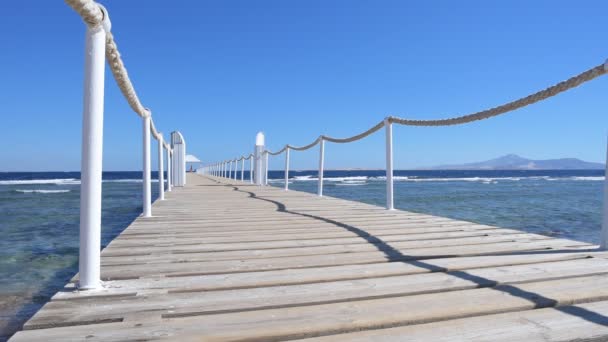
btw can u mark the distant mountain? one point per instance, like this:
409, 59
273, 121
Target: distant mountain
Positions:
515, 162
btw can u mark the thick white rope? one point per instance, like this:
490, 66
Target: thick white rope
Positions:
93, 16
513, 105
153, 130
482, 115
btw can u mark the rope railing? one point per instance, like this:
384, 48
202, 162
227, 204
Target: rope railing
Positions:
261, 154
101, 47
560, 87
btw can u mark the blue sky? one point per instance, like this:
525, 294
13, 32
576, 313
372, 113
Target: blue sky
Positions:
219, 71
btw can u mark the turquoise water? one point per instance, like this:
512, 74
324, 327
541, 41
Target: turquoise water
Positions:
39, 227
39, 214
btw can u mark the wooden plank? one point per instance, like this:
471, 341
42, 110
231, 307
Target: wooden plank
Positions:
583, 322
316, 320
198, 303
315, 274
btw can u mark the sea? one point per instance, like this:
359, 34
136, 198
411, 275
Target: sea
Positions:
39, 214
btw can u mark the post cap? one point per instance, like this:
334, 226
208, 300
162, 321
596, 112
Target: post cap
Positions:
106, 23
259, 139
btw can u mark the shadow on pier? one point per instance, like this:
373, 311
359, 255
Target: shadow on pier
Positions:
395, 255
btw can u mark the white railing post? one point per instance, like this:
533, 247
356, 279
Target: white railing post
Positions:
147, 197
604, 237
168, 170
243, 169
257, 155
266, 168
287, 169
236, 168
389, 164
161, 169
321, 159
251, 169
229, 169
92, 156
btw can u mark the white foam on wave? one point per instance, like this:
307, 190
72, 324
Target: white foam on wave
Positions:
40, 191
65, 181
332, 179
600, 178
40, 181
486, 180
305, 178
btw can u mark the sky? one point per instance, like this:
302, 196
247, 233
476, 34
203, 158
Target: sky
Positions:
220, 71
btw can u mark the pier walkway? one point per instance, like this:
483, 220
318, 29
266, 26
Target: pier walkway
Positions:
223, 260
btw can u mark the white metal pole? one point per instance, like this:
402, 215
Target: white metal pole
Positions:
266, 168
389, 164
604, 238
251, 169
287, 169
92, 157
236, 168
161, 169
257, 155
230, 169
147, 197
168, 170
242, 169
321, 158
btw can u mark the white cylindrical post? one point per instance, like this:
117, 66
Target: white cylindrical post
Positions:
242, 169
236, 168
266, 166
389, 163
257, 155
147, 196
230, 169
604, 237
251, 169
321, 159
91, 162
287, 169
161, 170
168, 170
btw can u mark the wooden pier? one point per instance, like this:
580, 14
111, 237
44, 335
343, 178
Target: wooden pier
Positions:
223, 261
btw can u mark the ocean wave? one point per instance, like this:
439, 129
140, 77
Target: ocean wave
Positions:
486, 180
40, 191
65, 181
332, 179
40, 181
600, 178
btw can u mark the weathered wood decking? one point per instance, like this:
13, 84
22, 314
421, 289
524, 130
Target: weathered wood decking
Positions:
237, 262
